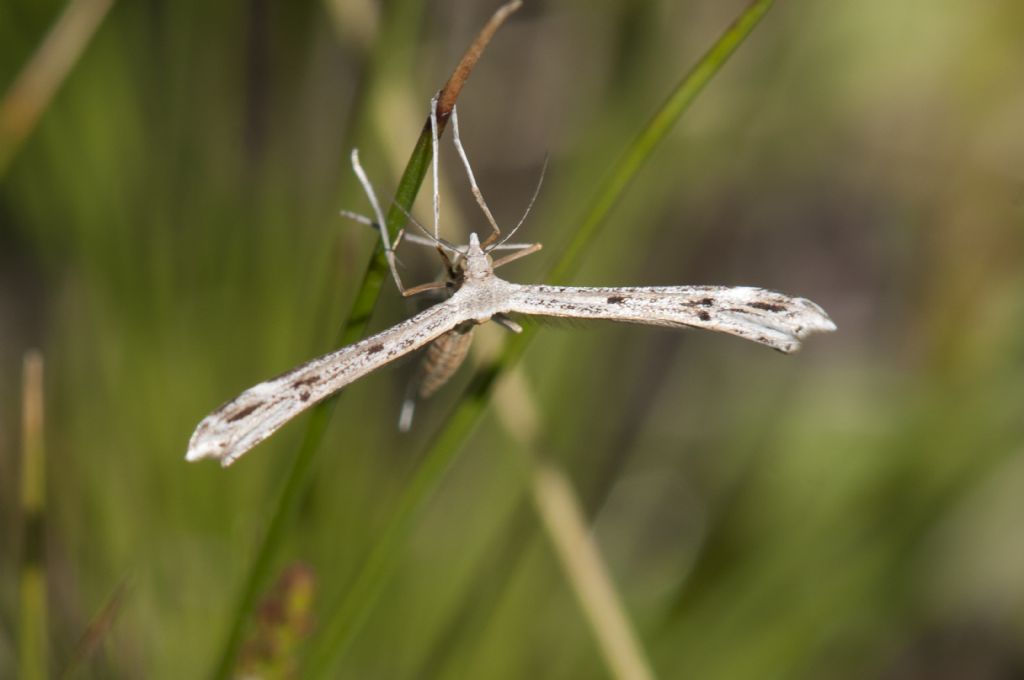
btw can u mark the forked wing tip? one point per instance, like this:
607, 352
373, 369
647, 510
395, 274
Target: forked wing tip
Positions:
203, 446
197, 454
201, 451
789, 336
819, 320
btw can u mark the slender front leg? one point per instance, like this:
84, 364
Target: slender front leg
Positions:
528, 250
507, 323
433, 165
389, 252
495, 231
424, 287
363, 219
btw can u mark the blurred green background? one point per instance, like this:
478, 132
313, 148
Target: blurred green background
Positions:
169, 235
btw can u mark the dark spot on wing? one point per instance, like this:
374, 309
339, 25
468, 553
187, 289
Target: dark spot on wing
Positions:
304, 395
616, 299
768, 306
704, 316
311, 380
707, 302
373, 349
245, 411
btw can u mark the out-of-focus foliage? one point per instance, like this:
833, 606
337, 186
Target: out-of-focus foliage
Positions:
169, 235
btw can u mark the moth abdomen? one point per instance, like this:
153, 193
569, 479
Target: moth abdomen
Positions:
442, 358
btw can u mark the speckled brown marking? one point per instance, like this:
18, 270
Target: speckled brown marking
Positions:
245, 411
304, 395
308, 381
707, 302
375, 348
704, 316
768, 306
616, 299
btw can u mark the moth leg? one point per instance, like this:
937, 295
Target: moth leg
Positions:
507, 323
433, 165
423, 287
424, 241
528, 250
503, 246
408, 409
362, 219
495, 231
402, 236
442, 358
371, 195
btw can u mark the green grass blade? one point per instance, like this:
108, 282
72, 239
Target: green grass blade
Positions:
298, 477
651, 135
345, 620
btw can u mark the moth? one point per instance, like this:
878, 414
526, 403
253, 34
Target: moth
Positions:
477, 295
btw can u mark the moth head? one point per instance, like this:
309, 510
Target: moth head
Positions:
476, 264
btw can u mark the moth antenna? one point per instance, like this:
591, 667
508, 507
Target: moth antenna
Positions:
389, 252
431, 239
457, 139
533, 199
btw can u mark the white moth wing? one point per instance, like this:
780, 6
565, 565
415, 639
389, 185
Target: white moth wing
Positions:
773, 319
261, 410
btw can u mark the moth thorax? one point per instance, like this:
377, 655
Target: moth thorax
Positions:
443, 357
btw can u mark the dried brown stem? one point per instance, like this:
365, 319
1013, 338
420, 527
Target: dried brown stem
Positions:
450, 92
39, 80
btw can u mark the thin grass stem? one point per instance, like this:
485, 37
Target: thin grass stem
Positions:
33, 653
564, 521
586, 572
98, 630
33, 89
